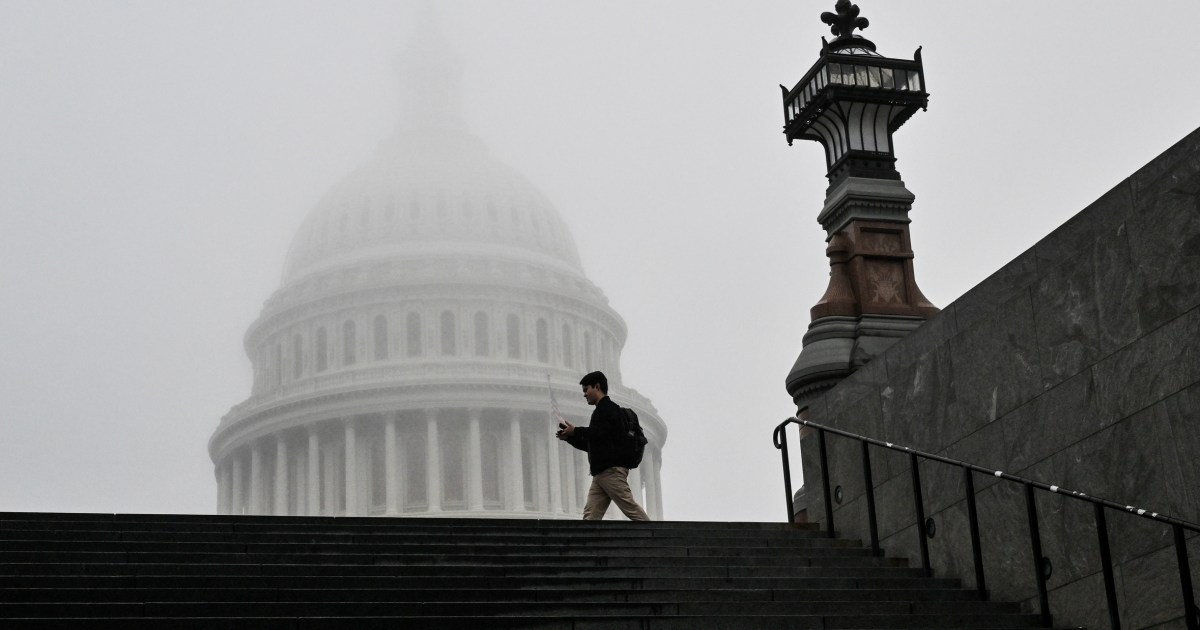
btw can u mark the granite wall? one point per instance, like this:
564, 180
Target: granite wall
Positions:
1077, 364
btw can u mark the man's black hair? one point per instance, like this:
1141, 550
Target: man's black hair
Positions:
595, 378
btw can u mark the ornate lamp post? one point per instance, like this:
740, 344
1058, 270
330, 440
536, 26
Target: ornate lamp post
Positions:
851, 101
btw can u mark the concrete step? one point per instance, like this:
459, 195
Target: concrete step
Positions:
489, 608
502, 570
573, 622
372, 553
387, 522
16, 521
462, 566
799, 566
556, 594
419, 581
34, 528
527, 573
217, 608
187, 571
381, 544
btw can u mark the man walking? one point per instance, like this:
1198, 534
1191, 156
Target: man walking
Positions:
610, 471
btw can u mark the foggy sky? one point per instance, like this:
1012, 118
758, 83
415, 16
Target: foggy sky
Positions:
156, 159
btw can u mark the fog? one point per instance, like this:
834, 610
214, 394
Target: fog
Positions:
156, 159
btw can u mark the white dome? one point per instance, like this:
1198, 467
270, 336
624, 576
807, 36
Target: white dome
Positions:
431, 191
432, 303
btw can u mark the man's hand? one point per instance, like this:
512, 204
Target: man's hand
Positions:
565, 430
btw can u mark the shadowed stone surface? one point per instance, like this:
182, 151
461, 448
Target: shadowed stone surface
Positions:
980, 301
1183, 415
987, 388
1149, 594
108, 571
1082, 600
1078, 364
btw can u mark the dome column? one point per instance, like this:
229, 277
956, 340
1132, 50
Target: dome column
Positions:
553, 455
351, 465
571, 498
583, 476
256, 480
474, 463
301, 478
224, 483
236, 497
653, 500
433, 463
541, 476
314, 471
515, 497
635, 485
281, 476
391, 465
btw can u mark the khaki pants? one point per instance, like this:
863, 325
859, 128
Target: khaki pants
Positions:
612, 485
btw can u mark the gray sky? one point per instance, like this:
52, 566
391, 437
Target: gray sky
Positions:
156, 158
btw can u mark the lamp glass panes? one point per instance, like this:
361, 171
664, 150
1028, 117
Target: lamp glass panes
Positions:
857, 75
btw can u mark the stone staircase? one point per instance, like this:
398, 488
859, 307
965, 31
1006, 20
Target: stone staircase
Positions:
167, 571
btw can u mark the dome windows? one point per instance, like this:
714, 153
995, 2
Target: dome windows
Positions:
547, 338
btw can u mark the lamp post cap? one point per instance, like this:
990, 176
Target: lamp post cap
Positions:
842, 24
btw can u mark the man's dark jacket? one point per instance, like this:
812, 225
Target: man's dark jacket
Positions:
600, 437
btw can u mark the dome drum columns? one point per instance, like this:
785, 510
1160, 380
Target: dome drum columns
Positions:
331, 468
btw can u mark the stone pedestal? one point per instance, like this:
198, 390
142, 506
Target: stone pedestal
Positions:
872, 299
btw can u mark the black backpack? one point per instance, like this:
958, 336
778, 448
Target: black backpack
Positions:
632, 441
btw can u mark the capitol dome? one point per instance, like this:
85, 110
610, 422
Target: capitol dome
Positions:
432, 305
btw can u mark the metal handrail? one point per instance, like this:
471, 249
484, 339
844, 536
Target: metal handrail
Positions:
1191, 613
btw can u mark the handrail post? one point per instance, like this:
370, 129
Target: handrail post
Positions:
1110, 587
1035, 540
1185, 580
976, 545
825, 482
920, 505
781, 442
872, 523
